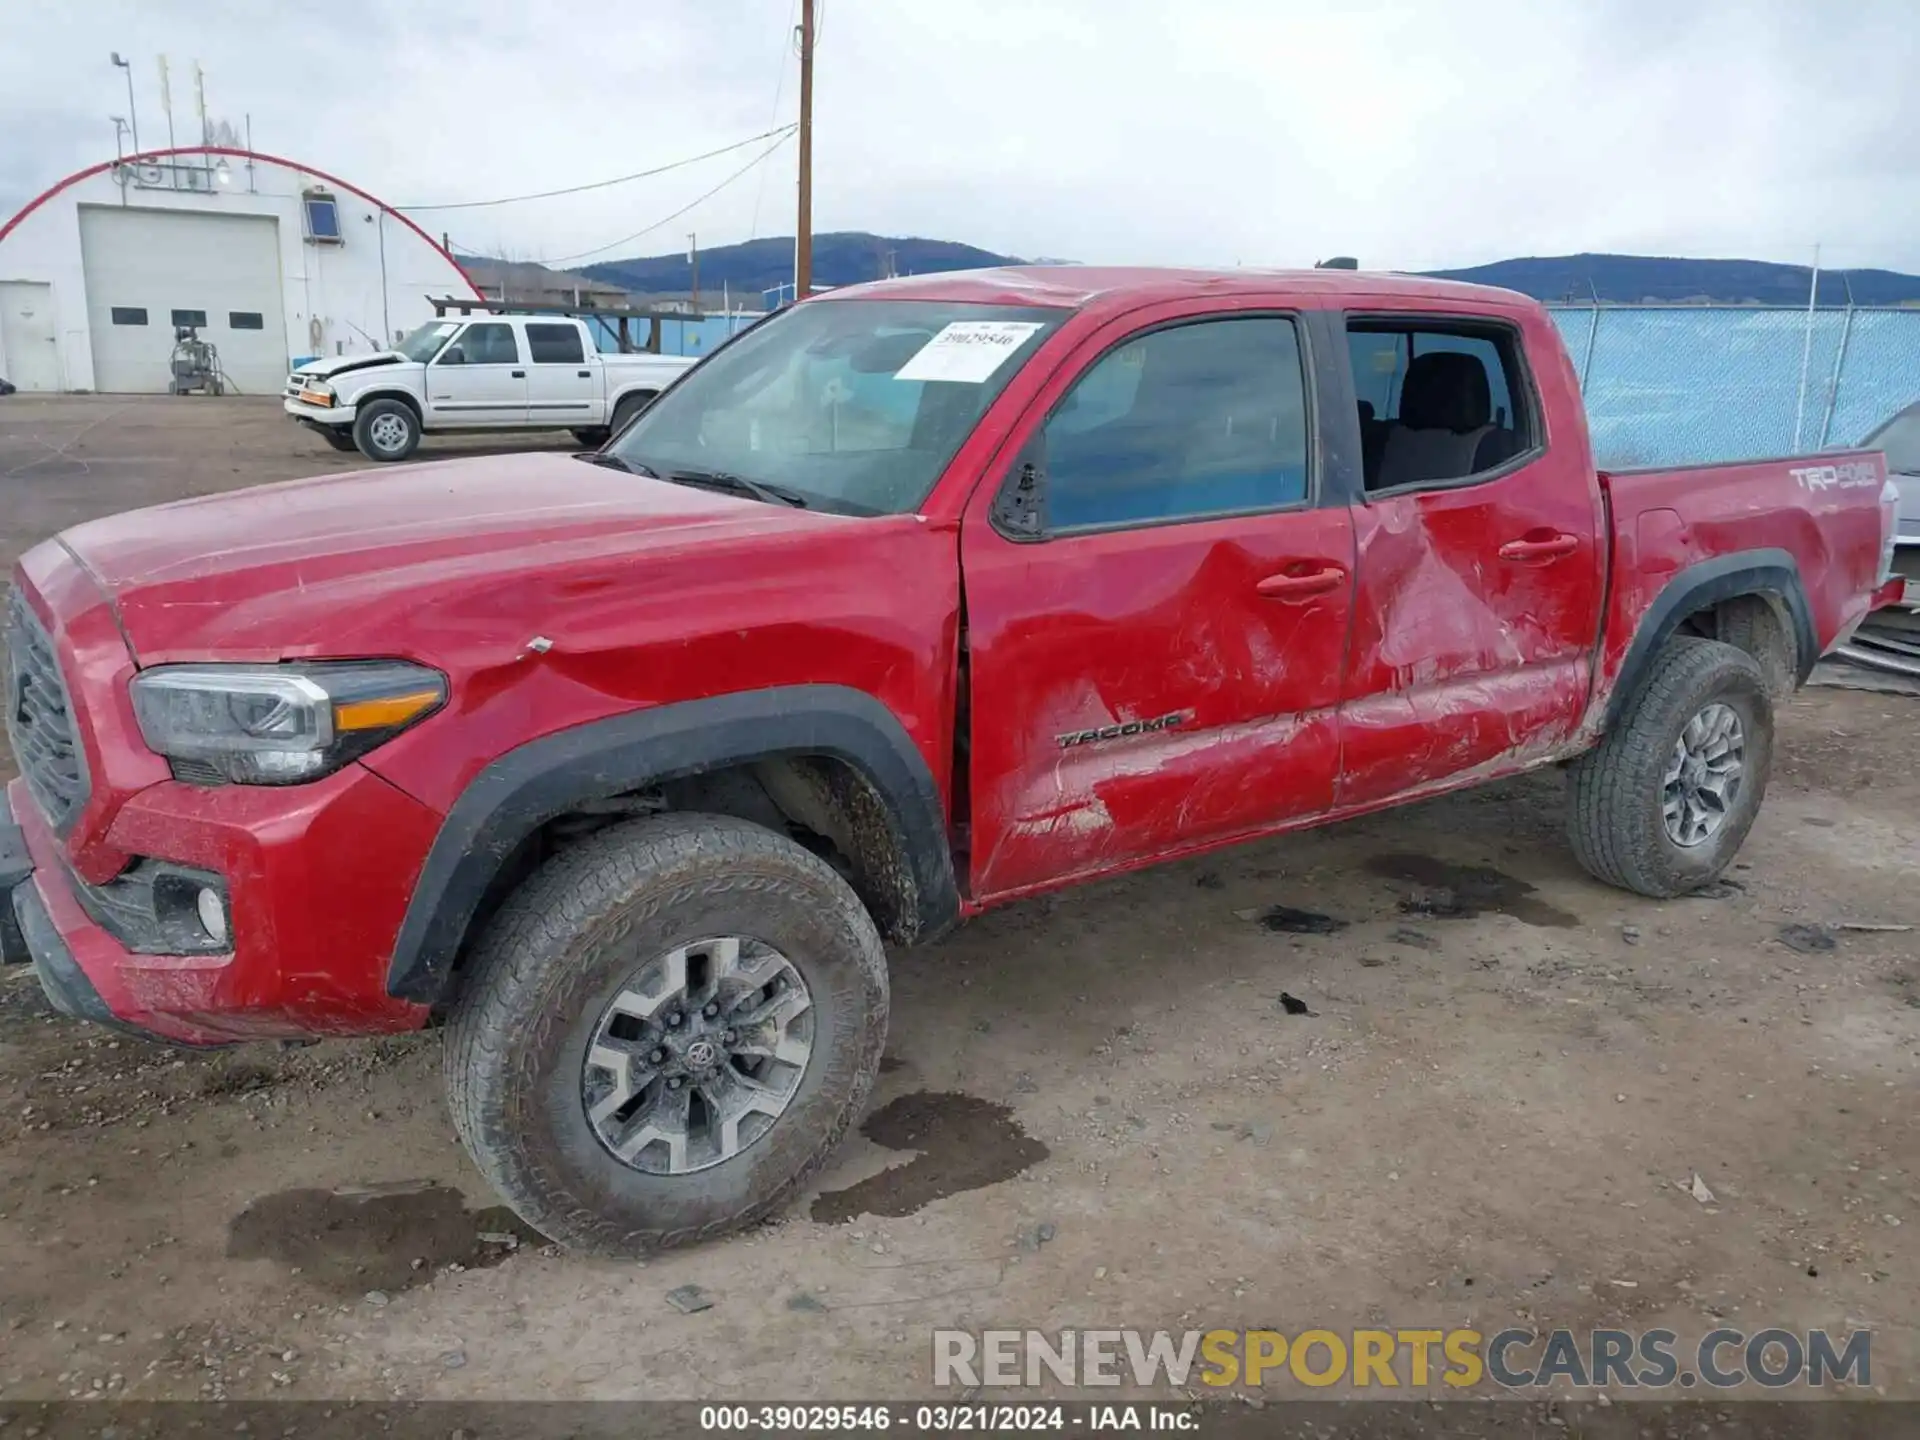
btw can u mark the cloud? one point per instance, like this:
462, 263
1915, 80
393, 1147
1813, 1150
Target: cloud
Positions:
1207, 132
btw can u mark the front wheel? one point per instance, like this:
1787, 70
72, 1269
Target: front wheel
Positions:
1664, 803
386, 430
665, 1032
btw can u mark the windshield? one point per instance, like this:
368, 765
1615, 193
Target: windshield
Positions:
1900, 438
423, 344
852, 405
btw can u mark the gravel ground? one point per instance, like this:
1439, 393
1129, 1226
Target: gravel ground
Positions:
1486, 1104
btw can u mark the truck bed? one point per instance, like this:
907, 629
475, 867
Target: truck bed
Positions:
1815, 520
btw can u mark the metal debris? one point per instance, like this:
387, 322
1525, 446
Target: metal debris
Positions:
689, 1299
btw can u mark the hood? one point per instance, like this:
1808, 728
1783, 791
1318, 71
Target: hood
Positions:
358, 563
340, 364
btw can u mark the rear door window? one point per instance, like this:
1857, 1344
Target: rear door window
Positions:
555, 345
1439, 404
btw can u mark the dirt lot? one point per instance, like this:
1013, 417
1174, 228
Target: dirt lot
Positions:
1490, 1113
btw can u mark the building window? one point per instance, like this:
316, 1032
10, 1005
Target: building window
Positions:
129, 315
323, 217
246, 320
196, 318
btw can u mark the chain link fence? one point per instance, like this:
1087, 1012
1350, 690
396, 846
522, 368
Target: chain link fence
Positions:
1692, 384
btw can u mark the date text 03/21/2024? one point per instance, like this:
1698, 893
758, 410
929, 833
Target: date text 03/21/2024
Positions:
961, 1418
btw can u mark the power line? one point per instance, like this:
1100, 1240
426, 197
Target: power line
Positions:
786, 135
781, 130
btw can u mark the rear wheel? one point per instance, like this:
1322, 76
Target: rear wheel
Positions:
592, 439
386, 430
665, 1032
1664, 803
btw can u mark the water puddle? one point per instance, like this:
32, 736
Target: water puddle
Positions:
1462, 892
350, 1241
963, 1144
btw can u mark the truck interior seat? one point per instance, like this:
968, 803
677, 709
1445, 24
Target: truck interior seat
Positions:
1446, 427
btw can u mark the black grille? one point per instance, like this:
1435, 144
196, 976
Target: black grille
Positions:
39, 719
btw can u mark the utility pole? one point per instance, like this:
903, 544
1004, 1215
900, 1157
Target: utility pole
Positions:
693, 259
803, 234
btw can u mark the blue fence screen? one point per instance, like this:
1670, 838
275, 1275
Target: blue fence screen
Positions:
1683, 385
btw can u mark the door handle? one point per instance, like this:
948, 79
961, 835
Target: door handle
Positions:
1292, 585
584, 374
1540, 547
519, 374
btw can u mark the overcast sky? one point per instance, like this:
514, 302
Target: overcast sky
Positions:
1413, 134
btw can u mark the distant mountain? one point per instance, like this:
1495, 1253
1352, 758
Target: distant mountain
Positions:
849, 257
1636, 279
844, 257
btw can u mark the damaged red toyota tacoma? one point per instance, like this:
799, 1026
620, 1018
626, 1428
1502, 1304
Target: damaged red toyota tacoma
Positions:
912, 600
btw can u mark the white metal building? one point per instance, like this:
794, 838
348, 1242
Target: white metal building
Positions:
272, 261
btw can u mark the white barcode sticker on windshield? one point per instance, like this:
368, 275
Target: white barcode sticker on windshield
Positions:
968, 351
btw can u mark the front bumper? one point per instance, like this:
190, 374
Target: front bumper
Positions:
28, 934
320, 876
321, 417
15, 867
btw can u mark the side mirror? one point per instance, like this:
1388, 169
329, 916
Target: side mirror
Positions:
453, 355
1019, 507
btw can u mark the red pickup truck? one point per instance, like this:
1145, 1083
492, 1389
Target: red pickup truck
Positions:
910, 600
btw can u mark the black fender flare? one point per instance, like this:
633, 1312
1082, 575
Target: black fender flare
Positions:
1725, 577
545, 778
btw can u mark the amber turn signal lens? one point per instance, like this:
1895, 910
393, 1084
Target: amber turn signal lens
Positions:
383, 713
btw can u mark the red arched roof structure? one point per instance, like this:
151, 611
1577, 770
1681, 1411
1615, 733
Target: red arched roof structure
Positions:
148, 156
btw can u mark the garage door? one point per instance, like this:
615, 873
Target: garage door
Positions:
150, 270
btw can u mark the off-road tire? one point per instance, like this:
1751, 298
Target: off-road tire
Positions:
363, 431
630, 406
568, 940
341, 439
1614, 819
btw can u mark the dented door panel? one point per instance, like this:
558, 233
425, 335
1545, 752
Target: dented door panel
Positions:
1145, 696
1463, 660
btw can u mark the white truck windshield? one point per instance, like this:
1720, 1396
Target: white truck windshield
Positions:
423, 344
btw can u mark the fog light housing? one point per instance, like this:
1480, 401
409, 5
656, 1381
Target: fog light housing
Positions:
212, 911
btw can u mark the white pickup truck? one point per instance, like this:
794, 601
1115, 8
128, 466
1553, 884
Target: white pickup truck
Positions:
483, 372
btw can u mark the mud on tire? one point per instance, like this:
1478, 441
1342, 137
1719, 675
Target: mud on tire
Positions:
570, 940
1619, 793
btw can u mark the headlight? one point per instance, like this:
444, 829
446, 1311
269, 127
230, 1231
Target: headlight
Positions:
277, 724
